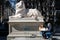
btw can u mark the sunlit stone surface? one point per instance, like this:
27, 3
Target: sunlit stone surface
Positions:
20, 38
33, 13
22, 12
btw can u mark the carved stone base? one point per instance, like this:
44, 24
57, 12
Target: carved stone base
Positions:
24, 28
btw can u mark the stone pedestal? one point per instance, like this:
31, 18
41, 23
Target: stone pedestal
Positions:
24, 28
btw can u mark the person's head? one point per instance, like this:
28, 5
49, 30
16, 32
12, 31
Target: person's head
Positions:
41, 26
49, 24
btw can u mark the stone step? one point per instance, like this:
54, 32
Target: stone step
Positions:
57, 37
25, 34
56, 34
30, 39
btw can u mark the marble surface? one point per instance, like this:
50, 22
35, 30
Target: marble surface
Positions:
39, 19
27, 39
30, 39
25, 33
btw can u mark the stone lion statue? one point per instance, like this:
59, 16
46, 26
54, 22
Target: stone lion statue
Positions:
33, 13
21, 11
